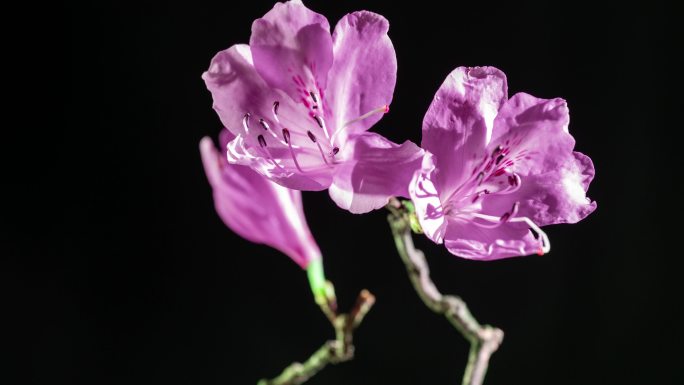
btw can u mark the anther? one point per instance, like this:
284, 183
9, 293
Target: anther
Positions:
311, 136
514, 180
286, 135
264, 124
480, 177
262, 140
245, 121
497, 150
479, 194
505, 217
514, 210
276, 104
499, 158
318, 120
313, 97
335, 150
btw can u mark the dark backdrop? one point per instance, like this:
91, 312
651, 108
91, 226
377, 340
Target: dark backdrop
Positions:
136, 280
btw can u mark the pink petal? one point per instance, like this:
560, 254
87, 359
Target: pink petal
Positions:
554, 178
467, 240
279, 167
257, 209
292, 48
426, 200
458, 124
556, 196
364, 70
375, 170
237, 89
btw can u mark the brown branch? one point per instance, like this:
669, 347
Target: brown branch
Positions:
484, 339
332, 352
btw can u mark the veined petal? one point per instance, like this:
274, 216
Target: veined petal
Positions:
467, 240
426, 200
364, 71
257, 209
458, 124
534, 132
556, 196
374, 170
237, 89
292, 48
278, 166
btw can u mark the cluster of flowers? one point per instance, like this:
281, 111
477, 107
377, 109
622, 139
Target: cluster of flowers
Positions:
297, 104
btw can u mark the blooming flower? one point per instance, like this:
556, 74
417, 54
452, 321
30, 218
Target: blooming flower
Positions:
257, 209
496, 169
299, 102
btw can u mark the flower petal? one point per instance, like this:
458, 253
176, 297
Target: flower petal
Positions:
292, 48
554, 178
458, 124
556, 196
257, 209
375, 169
535, 131
277, 165
364, 71
237, 89
468, 240
425, 197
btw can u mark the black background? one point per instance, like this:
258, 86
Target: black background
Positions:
133, 278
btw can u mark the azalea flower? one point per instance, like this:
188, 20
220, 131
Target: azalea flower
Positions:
257, 209
299, 102
497, 169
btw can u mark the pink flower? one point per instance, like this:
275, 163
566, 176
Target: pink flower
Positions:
496, 168
299, 102
256, 208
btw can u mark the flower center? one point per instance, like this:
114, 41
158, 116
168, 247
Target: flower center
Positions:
493, 175
311, 148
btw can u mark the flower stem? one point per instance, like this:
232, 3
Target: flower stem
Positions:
484, 339
333, 351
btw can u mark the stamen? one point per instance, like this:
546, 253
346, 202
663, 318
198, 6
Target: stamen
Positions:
479, 194
384, 109
274, 111
322, 154
494, 222
504, 218
245, 122
514, 180
515, 208
286, 136
262, 140
264, 124
311, 136
545, 245
318, 120
480, 178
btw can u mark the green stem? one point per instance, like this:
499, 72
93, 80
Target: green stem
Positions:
484, 339
334, 351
